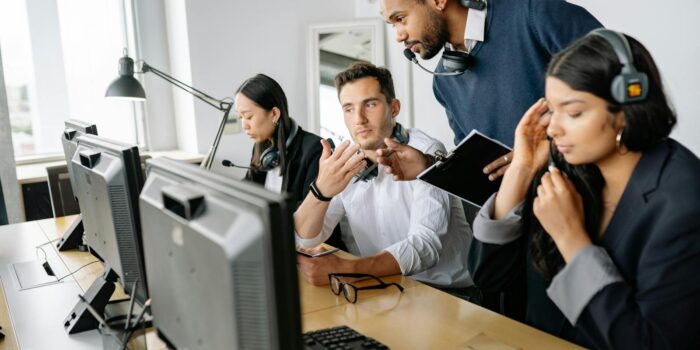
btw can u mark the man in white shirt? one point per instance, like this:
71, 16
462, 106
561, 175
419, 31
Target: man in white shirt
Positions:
406, 227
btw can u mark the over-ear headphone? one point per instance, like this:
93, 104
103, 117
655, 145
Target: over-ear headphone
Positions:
270, 157
629, 85
370, 172
474, 4
454, 62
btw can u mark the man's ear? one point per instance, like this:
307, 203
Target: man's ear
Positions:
439, 4
395, 107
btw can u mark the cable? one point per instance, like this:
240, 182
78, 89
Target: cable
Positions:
76, 271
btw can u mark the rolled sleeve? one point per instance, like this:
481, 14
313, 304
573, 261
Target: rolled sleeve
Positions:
581, 279
430, 214
502, 231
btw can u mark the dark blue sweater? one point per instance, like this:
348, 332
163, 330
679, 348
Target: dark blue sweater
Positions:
507, 75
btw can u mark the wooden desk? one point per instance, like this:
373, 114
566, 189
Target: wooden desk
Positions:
419, 318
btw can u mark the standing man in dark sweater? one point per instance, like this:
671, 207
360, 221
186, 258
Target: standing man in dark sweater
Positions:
509, 43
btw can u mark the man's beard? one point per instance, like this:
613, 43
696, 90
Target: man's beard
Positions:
435, 36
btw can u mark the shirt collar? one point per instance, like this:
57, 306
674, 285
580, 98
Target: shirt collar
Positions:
474, 29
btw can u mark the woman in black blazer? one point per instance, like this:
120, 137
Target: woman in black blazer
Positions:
605, 242
285, 157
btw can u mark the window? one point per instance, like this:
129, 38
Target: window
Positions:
58, 59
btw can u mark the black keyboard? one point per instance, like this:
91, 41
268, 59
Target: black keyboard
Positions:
341, 337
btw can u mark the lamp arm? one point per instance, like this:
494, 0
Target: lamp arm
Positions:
216, 103
209, 159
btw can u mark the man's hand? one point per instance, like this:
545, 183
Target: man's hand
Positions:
403, 162
336, 170
498, 167
316, 270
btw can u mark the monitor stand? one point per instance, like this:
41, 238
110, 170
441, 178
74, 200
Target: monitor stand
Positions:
73, 237
80, 319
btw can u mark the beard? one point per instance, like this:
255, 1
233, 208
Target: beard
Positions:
435, 35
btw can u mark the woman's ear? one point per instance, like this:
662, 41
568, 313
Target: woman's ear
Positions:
276, 115
619, 120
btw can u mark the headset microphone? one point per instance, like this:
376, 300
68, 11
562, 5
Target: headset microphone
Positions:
412, 57
228, 163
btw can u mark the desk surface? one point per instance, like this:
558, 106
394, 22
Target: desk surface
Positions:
419, 318
36, 172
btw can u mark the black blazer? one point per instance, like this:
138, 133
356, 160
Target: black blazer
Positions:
654, 240
302, 166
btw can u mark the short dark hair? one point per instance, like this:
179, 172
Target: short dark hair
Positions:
359, 70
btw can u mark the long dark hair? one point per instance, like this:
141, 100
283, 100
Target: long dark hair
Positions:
268, 94
590, 64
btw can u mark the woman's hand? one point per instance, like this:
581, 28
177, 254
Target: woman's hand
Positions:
559, 208
335, 170
531, 147
530, 153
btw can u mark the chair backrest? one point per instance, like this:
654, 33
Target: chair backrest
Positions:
3, 208
63, 200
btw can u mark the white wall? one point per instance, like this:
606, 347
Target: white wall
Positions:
8, 172
222, 43
670, 32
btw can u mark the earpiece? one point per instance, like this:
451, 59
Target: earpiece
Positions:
270, 158
629, 85
370, 172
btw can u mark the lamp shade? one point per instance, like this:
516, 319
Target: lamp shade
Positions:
126, 86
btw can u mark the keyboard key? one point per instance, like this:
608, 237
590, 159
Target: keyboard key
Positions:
341, 337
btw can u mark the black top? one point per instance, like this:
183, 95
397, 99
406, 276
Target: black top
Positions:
302, 166
653, 239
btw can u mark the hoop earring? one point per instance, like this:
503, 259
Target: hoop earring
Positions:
277, 122
618, 142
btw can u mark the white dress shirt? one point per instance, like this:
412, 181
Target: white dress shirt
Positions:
474, 29
273, 180
421, 226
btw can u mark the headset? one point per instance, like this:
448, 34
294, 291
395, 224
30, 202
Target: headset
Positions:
270, 157
370, 171
629, 85
454, 62
474, 4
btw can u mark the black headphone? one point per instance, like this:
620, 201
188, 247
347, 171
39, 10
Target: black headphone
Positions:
474, 4
370, 172
270, 157
454, 62
629, 85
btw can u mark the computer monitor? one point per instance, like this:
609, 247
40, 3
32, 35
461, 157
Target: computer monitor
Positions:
74, 129
220, 260
73, 237
109, 179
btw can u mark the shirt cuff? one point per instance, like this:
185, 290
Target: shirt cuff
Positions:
581, 279
502, 231
307, 242
400, 253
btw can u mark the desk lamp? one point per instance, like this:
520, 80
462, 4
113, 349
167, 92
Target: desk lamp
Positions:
127, 87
